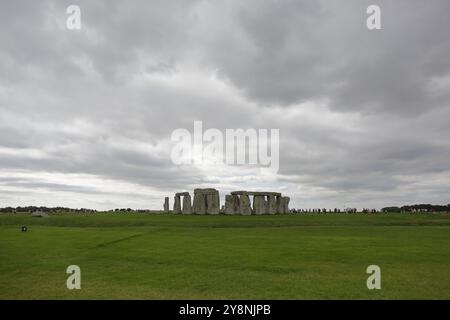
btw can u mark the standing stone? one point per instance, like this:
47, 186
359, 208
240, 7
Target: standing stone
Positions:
236, 204
177, 205
166, 205
283, 205
259, 204
286, 204
232, 204
213, 203
271, 204
229, 205
280, 207
187, 207
245, 208
206, 201
199, 202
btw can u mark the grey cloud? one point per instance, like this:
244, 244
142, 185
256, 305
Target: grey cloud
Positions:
297, 54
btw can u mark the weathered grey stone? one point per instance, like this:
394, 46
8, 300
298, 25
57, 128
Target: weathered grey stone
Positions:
199, 206
212, 203
236, 204
280, 207
177, 205
238, 193
255, 193
206, 201
187, 207
232, 204
229, 205
166, 205
283, 204
206, 190
244, 207
286, 204
271, 204
259, 204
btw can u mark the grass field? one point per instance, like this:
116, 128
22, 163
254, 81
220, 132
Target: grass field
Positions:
151, 256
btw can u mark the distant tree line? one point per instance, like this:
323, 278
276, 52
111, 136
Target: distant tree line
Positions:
31, 209
418, 208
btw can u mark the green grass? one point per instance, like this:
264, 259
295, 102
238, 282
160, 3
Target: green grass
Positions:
151, 256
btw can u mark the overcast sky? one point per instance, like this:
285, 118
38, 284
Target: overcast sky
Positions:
86, 116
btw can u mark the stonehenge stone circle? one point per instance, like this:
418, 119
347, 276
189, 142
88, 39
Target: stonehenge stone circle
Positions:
207, 201
283, 204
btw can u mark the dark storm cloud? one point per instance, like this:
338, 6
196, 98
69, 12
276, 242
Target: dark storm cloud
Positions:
298, 52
